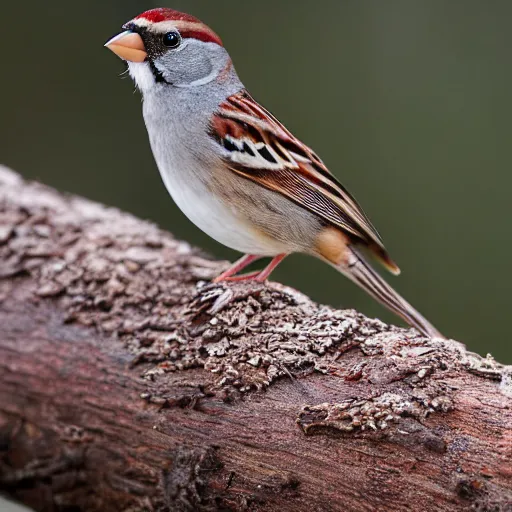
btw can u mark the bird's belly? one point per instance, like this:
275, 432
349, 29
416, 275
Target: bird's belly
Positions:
217, 219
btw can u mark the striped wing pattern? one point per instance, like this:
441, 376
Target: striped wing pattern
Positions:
261, 149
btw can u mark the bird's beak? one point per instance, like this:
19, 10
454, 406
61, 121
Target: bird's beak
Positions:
129, 46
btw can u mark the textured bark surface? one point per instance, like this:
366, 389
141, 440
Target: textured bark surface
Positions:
128, 383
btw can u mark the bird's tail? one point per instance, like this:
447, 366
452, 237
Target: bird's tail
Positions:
359, 271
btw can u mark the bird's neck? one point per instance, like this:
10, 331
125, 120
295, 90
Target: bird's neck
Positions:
178, 123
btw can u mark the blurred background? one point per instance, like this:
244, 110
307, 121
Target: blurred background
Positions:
408, 103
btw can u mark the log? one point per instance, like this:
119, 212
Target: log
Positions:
129, 383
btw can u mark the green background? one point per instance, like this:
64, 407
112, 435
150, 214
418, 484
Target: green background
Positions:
408, 102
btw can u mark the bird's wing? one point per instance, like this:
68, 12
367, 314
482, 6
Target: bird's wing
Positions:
259, 148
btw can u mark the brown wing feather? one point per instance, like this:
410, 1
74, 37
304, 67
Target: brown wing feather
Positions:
261, 149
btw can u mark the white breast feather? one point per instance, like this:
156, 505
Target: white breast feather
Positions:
214, 217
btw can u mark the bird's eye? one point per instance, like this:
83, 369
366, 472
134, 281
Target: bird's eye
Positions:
172, 39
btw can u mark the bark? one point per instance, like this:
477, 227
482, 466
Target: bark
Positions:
129, 383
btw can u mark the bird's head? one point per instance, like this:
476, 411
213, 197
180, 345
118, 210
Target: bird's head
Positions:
164, 47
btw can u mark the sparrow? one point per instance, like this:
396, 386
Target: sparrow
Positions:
235, 171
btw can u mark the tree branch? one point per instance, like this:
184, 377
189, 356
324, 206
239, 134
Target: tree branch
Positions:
129, 383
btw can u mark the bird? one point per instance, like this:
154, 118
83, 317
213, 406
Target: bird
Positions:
236, 171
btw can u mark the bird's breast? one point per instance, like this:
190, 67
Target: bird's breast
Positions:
187, 160
191, 192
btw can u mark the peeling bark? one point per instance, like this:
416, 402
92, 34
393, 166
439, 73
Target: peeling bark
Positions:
128, 383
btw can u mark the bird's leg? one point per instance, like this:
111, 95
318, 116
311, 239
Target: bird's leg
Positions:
243, 277
265, 273
243, 262
259, 276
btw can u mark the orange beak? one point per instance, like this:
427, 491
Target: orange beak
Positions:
129, 46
